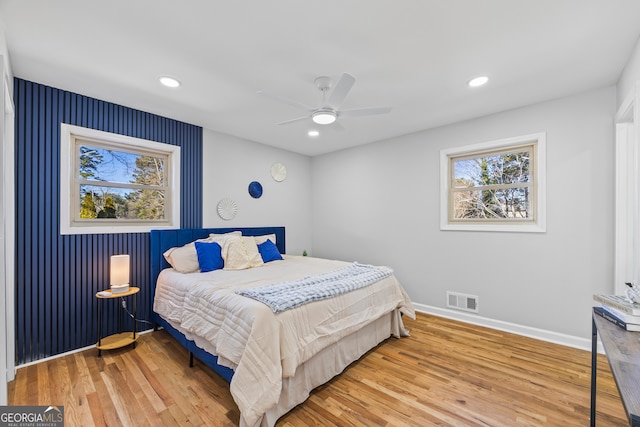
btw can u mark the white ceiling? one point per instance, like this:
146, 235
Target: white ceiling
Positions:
413, 55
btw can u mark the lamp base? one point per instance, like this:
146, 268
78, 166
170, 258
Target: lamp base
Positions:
119, 289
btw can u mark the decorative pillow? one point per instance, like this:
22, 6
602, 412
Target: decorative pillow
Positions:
240, 253
183, 259
215, 237
264, 238
268, 251
209, 256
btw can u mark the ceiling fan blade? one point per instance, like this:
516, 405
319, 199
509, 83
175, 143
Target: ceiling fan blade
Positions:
337, 126
359, 112
341, 89
286, 100
286, 122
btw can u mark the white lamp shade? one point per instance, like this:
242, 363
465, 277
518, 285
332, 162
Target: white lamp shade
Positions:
119, 273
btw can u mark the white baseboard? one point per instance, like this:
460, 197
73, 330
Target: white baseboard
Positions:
527, 331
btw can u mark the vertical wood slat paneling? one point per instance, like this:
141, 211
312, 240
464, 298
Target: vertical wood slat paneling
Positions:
57, 276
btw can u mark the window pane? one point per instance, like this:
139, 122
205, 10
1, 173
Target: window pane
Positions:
492, 169
508, 203
101, 164
121, 203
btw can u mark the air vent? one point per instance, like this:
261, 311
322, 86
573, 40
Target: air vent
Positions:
462, 301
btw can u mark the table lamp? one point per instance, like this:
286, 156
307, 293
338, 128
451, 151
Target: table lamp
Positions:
119, 274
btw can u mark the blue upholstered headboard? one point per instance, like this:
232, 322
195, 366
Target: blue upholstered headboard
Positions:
161, 240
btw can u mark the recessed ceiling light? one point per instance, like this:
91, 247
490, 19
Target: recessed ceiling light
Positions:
169, 81
478, 81
313, 133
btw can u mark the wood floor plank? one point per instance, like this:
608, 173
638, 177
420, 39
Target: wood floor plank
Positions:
96, 409
43, 391
154, 392
119, 397
108, 415
77, 390
446, 373
58, 383
83, 370
64, 375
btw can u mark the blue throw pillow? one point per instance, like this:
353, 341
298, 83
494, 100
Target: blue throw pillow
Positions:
269, 251
209, 256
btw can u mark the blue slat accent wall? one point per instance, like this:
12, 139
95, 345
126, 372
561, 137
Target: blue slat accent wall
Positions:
58, 276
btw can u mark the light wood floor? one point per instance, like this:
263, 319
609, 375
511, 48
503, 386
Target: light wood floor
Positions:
446, 374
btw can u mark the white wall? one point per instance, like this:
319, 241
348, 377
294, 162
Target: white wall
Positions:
629, 75
380, 204
6, 286
230, 164
4, 52
4, 308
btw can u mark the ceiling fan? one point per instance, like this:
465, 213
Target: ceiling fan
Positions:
329, 109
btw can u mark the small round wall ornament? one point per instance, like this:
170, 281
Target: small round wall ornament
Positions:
255, 189
227, 208
278, 172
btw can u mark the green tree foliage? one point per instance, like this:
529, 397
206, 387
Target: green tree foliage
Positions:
148, 204
121, 206
88, 207
90, 159
109, 209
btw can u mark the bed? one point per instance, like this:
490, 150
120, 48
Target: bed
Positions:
272, 356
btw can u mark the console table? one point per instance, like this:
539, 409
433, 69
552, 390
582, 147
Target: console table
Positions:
623, 352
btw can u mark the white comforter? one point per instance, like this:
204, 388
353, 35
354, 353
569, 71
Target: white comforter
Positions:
260, 346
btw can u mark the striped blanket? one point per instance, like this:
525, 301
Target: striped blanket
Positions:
286, 295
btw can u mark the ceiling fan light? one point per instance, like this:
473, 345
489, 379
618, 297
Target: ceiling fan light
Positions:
324, 117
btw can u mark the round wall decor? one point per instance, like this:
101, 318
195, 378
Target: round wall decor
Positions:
227, 208
278, 172
255, 189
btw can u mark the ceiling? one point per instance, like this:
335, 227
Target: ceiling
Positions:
412, 55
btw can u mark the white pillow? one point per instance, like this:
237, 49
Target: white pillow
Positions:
216, 237
261, 239
255, 259
240, 253
184, 259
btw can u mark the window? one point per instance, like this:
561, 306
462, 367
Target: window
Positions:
113, 183
494, 186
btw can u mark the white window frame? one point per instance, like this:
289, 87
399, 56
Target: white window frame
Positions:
70, 188
538, 222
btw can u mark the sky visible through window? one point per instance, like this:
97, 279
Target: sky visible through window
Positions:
114, 166
493, 169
